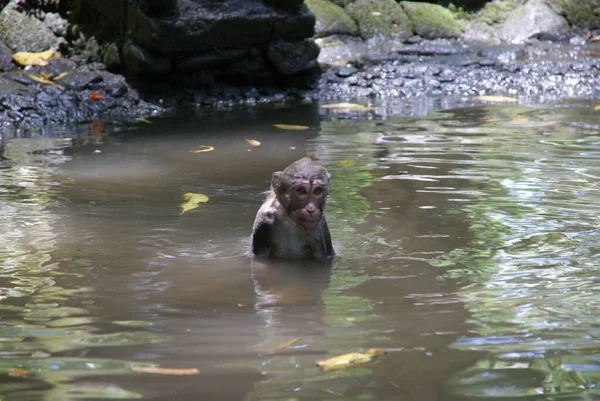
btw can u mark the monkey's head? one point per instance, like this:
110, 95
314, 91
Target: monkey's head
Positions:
302, 190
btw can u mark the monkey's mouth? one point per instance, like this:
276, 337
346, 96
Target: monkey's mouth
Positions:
308, 224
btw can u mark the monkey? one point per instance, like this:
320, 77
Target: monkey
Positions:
290, 223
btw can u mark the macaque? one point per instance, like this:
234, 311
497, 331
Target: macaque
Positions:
290, 223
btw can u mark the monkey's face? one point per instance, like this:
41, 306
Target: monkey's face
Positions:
308, 202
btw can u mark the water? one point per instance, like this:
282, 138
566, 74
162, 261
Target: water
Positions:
467, 241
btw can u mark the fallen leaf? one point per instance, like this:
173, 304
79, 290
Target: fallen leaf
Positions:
347, 163
491, 120
27, 58
597, 107
292, 148
19, 372
501, 99
41, 79
519, 120
376, 13
242, 305
347, 107
252, 142
143, 120
165, 371
205, 148
95, 95
45, 75
285, 344
290, 127
60, 76
349, 360
192, 201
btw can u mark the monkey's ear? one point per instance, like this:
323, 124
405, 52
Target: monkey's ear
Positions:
276, 180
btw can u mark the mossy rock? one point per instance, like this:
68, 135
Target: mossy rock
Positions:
331, 19
432, 21
380, 17
584, 14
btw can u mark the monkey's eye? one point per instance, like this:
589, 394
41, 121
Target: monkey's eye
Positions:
318, 191
301, 191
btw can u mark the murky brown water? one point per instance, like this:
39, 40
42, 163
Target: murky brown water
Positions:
468, 248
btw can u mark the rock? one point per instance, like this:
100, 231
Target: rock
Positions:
23, 32
56, 24
331, 19
530, 19
287, 5
293, 57
296, 26
210, 59
112, 57
432, 21
346, 71
584, 14
140, 61
80, 80
380, 17
6, 63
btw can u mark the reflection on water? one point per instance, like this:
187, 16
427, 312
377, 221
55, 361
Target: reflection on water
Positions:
468, 243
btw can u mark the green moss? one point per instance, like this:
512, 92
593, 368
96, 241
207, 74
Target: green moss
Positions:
581, 13
431, 20
331, 19
342, 3
380, 17
496, 12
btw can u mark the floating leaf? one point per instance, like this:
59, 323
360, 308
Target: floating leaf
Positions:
349, 360
27, 58
143, 120
347, 107
597, 107
205, 148
285, 344
500, 99
95, 95
347, 163
18, 372
519, 120
133, 323
290, 127
252, 142
242, 305
192, 201
165, 371
375, 13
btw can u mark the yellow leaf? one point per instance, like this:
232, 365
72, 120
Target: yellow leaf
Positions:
60, 76
43, 80
145, 120
192, 201
349, 360
347, 107
205, 148
519, 120
164, 371
27, 58
285, 344
347, 163
597, 107
500, 99
252, 142
291, 127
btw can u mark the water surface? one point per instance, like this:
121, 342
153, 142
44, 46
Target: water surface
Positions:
467, 241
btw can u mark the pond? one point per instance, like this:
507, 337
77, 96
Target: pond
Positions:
467, 241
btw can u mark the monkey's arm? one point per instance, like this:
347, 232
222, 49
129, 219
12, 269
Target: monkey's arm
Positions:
329, 252
261, 239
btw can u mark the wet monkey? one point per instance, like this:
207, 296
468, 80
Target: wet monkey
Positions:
290, 223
